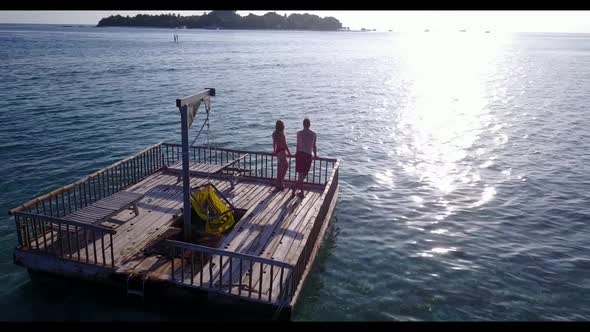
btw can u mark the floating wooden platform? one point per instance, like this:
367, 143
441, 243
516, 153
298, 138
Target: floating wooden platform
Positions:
124, 224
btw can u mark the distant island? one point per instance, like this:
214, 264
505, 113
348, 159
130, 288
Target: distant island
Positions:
226, 19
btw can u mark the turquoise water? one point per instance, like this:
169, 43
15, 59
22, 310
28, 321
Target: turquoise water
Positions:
464, 180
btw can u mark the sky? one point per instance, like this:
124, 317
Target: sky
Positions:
508, 21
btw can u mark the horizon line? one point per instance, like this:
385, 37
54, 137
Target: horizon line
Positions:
376, 30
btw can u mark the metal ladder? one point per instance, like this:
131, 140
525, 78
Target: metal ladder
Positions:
138, 292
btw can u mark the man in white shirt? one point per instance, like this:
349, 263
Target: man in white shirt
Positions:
306, 139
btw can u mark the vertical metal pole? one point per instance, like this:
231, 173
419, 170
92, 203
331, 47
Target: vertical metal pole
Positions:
185, 173
19, 230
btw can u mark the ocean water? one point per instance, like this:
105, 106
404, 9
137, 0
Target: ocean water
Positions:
465, 177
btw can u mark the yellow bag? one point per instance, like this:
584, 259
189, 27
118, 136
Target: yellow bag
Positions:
218, 217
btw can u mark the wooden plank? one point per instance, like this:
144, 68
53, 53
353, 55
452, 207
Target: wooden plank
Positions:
168, 202
158, 269
116, 205
210, 168
130, 247
196, 167
247, 194
221, 185
253, 197
293, 227
141, 241
148, 183
129, 265
92, 215
324, 208
297, 221
289, 246
149, 228
174, 205
229, 238
326, 224
163, 270
233, 194
145, 266
139, 265
279, 246
229, 163
276, 216
95, 213
200, 167
270, 221
144, 241
123, 230
300, 242
242, 238
237, 238
121, 197
244, 192
90, 210
262, 196
295, 251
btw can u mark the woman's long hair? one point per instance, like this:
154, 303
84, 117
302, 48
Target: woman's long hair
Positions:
279, 128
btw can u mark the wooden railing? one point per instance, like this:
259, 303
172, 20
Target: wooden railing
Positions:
286, 277
65, 239
255, 164
198, 267
96, 186
40, 225
39, 215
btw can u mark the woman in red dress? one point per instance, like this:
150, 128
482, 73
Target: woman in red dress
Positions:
281, 151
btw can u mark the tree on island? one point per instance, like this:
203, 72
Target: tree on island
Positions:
226, 19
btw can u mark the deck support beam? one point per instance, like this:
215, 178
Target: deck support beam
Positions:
186, 187
186, 120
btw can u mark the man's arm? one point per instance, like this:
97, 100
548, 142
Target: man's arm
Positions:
287, 146
315, 150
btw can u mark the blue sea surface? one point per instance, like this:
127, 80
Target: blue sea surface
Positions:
465, 176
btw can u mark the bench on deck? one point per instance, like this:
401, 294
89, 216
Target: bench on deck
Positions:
199, 169
106, 208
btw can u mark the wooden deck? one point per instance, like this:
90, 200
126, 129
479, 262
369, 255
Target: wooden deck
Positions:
274, 227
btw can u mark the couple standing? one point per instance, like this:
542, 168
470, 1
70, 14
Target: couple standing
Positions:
305, 145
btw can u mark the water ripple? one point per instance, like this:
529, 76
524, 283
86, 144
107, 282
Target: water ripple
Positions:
464, 180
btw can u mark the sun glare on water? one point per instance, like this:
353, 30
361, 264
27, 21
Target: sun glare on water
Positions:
447, 108
442, 122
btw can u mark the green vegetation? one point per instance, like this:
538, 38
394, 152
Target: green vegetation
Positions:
226, 19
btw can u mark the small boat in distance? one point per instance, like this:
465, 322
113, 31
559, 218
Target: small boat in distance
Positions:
462, 30
426, 30
487, 31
